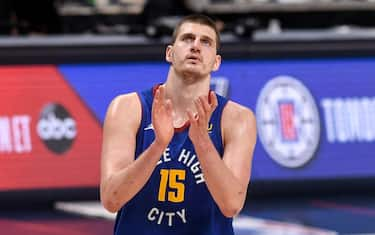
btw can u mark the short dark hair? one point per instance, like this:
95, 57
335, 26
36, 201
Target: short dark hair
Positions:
199, 19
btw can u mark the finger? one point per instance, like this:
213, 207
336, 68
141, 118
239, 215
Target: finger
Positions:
162, 92
213, 99
199, 107
192, 118
157, 95
168, 106
206, 106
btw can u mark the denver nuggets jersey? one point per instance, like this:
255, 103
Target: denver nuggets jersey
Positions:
175, 200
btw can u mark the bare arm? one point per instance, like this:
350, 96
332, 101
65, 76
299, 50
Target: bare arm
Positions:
227, 179
121, 176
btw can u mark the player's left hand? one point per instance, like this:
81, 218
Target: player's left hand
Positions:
199, 121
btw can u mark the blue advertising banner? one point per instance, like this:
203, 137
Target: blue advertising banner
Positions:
315, 117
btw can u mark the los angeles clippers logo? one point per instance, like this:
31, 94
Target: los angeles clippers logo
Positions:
288, 121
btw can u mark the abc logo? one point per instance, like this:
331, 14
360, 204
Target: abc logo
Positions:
56, 128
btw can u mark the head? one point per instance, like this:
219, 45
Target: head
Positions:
194, 46
198, 19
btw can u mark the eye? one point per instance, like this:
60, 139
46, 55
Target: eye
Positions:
188, 38
206, 42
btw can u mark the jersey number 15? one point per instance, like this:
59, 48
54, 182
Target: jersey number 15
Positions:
168, 181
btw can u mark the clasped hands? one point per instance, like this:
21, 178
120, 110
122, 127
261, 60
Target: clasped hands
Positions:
162, 118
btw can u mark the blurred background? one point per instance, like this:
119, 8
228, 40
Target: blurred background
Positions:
306, 68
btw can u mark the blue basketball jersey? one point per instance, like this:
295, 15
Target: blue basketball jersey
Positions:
175, 200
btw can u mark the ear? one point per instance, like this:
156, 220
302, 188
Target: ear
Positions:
217, 63
169, 53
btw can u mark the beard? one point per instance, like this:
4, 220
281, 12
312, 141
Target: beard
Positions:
191, 75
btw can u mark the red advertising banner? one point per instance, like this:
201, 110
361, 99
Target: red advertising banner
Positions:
48, 138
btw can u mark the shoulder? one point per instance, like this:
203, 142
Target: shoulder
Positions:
125, 106
238, 113
237, 118
125, 99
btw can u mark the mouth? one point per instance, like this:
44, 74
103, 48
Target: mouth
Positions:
193, 58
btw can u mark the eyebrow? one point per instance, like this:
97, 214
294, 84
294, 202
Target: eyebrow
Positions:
187, 35
194, 35
207, 38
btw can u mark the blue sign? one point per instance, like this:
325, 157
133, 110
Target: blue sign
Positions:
315, 118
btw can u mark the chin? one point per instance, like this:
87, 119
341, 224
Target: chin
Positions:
197, 70
192, 72
192, 77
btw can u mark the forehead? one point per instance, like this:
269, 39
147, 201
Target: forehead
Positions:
196, 29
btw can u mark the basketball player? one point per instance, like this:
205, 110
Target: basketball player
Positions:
176, 158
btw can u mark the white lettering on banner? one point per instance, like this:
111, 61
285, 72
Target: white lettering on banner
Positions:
15, 134
5, 136
349, 119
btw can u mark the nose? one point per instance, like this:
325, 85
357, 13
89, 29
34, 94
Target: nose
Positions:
196, 45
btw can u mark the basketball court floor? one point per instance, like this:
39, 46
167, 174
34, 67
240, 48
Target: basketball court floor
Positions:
287, 216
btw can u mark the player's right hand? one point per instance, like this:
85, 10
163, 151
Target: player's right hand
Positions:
162, 120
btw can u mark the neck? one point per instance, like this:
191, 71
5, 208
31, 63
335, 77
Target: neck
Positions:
182, 91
